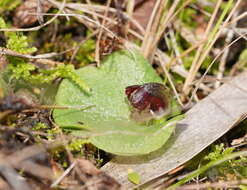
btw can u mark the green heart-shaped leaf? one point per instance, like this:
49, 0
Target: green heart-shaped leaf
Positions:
107, 123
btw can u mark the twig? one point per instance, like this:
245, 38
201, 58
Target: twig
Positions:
130, 10
5, 51
211, 64
168, 18
196, 64
83, 18
175, 46
19, 160
35, 169
200, 9
79, 16
208, 48
244, 14
76, 49
240, 33
152, 27
98, 8
170, 81
186, 52
13, 178
97, 49
66, 172
222, 64
185, 32
39, 10
95, 14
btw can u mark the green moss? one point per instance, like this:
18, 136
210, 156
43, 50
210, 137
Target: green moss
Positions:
236, 168
76, 145
8, 5
85, 54
40, 126
187, 15
19, 68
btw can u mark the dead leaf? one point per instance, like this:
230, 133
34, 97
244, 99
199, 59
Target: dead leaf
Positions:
87, 167
143, 11
240, 141
96, 179
206, 122
23, 14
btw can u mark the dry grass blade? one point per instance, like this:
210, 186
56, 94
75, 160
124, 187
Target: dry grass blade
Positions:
152, 27
229, 38
170, 81
211, 64
130, 10
200, 58
19, 160
66, 172
13, 178
39, 10
97, 49
196, 65
237, 18
4, 51
165, 22
94, 10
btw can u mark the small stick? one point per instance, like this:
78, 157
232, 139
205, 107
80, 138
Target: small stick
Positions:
66, 172
223, 60
5, 51
97, 49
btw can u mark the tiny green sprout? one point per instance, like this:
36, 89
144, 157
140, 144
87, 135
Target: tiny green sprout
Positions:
133, 176
77, 144
51, 133
8, 5
40, 126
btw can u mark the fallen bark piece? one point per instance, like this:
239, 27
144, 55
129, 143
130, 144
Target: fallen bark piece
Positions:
203, 124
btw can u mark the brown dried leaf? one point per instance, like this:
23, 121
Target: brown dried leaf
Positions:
23, 14
87, 167
96, 179
240, 141
143, 11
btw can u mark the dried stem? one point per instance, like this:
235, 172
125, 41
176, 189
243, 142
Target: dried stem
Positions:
97, 49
